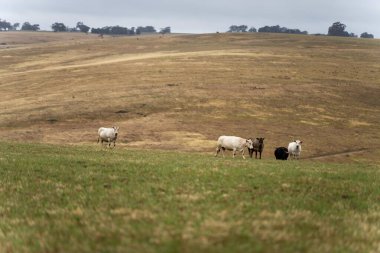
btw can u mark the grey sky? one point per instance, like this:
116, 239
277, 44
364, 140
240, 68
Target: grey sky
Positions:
199, 16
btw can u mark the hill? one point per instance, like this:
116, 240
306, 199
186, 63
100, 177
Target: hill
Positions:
182, 92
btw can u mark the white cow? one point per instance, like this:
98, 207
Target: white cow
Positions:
108, 134
233, 143
294, 149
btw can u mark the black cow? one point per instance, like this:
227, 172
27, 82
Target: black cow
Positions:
258, 146
281, 153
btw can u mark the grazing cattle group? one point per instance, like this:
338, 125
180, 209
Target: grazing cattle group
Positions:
257, 145
232, 143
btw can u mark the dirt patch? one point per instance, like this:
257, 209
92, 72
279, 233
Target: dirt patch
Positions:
358, 123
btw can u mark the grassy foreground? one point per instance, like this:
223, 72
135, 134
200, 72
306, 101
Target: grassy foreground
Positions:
84, 199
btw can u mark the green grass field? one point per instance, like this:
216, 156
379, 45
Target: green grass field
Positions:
56, 198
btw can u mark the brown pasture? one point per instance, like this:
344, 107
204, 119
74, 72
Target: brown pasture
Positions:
182, 92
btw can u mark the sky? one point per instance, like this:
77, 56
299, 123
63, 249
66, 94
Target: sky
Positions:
198, 16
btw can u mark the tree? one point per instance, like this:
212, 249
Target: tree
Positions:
165, 30
237, 28
15, 26
278, 29
146, 29
82, 27
58, 27
366, 35
113, 30
252, 30
270, 29
338, 29
28, 27
5, 26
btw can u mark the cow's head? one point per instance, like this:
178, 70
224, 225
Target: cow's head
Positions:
249, 143
260, 140
116, 130
298, 143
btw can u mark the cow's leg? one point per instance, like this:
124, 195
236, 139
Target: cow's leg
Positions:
233, 152
242, 153
260, 155
255, 154
223, 149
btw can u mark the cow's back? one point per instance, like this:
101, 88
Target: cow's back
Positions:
106, 133
101, 130
230, 142
281, 153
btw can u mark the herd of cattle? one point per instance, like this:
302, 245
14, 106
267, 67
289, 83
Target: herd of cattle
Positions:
232, 143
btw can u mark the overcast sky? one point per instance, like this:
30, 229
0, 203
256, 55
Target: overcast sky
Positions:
198, 16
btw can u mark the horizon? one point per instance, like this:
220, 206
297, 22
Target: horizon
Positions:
49, 29
198, 16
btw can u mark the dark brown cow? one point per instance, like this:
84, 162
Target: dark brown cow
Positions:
258, 146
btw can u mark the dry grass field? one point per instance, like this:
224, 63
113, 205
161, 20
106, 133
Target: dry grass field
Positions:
182, 92
174, 95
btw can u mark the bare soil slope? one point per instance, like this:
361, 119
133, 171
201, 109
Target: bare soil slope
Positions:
182, 92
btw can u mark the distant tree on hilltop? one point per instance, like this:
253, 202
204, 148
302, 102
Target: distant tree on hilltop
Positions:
165, 30
338, 29
278, 29
366, 35
29, 27
146, 29
58, 27
4, 25
252, 30
113, 30
15, 26
82, 27
238, 28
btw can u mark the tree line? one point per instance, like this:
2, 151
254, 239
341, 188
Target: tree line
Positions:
81, 27
268, 29
336, 29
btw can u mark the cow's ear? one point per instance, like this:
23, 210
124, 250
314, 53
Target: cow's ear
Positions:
263, 138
